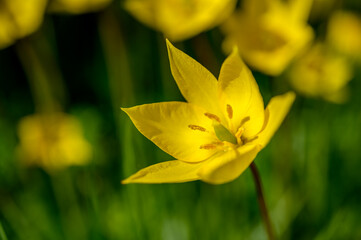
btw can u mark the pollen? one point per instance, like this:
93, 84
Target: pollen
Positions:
218, 144
230, 111
196, 127
212, 117
209, 146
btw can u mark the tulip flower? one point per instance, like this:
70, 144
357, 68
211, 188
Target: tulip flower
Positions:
269, 34
52, 141
178, 19
323, 73
217, 133
19, 18
344, 33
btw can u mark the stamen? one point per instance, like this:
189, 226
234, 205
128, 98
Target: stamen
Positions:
219, 144
239, 135
244, 120
212, 117
230, 111
208, 146
196, 127
239, 132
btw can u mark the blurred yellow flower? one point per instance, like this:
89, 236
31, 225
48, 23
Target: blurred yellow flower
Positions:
321, 73
52, 141
19, 18
180, 19
216, 134
77, 6
269, 34
344, 33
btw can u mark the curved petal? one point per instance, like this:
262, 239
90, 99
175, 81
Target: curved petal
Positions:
276, 111
178, 128
195, 82
229, 165
240, 98
166, 172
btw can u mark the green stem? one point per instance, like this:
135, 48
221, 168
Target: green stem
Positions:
65, 195
261, 202
2, 233
39, 78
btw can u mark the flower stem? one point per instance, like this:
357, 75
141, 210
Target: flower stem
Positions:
2, 233
261, 202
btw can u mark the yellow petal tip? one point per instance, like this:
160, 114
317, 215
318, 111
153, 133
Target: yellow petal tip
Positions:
291, 95
125, 181
235, 49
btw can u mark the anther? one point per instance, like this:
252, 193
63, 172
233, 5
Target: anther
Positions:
208, 146
218, 144
244, 120
229, 111
212, 117
196, 127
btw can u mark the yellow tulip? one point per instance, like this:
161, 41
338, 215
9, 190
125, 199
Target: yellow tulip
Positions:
52, 141
19, 18
344, 33
218, 132
77, 6
269, 34
321, 73
180, 19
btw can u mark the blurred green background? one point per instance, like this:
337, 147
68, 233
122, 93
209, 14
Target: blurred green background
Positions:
98, 62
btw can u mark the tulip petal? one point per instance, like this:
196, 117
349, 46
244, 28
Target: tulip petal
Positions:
228, 165
166, 172
276, 111
239, 95
195, 82
178, 128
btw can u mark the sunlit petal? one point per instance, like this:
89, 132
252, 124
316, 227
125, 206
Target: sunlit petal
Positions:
195, 82
166, 172
240, 94
276, 111
178, 128
227, 166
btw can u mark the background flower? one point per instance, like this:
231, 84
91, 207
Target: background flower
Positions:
52, 141
19, 18
178, 19
322, 73
269, 34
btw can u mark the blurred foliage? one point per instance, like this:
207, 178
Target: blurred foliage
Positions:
90, 65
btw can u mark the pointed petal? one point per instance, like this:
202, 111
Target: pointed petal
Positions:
178, 128
276, 111
166, 172
229, 165
239, 94
195, 82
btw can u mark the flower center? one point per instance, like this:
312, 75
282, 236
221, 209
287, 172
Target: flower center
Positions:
223, 134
